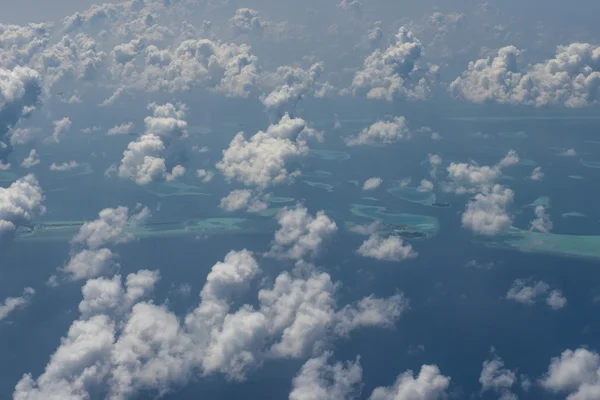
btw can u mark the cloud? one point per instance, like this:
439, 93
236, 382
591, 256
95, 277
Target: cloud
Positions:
31, 160
261, 161
570, 79
434, 162
61, 127
381, 132
569, 153
486, 214
576, 373
542, 221
528, 292
425, 186
90, 263
11, 304
318, 380
372, 183
247, 21
122, 129
109, 228
204, 175
472, 178
495, 377
391, 248
20, 203
166, 120
128, 344
430, 384
240, 199
300, 234
66, 166
537, 174
396, 72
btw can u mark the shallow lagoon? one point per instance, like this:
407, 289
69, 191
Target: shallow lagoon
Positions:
411, 225
413, 195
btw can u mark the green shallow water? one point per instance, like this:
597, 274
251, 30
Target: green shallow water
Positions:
410, 225
413, 195
320, 185
174, 188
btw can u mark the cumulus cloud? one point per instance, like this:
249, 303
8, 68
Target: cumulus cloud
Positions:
574, 372
122, 129
242, 199
372, 183
391, 248
542, 222
300, 234
381, 132
204, 175
472, 178
487, 214
429, 384
261, 161
128, 344
10, 304
537, 174
66, 166
528, 292
61, 127
318, 380
89, 263
20, 203
495, 377
247, 21
569, 153
396, 72
425, 186
434, 162
31, 160
570, 79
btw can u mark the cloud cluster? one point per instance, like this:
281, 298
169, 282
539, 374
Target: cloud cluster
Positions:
528, 292
574, 372
127, 344
301, 235
381, 133
429, 384
396, 72
487, 214
570, 79
20, 203
495, 377
473, 178
261, 160
391, 248
66, 166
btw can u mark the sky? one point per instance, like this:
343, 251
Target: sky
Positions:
306, 200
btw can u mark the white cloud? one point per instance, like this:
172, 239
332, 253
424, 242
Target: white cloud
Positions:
61, 127
109, 227
372, 183
381, 132
167, 120
66, 166
537, 174
247, 21
11, 304
366, 229
31, 160
542, 221
527, 291
205, 175
396, 72
569, 153
90, 263
511, 158
391, 248
570, 79
486, 214
425, 186
556, 300
300, 234
318, 380
20, 203
576, 373
122, 129
495, 377
472, 178
434, 162
261, 161
242, 199
430, 384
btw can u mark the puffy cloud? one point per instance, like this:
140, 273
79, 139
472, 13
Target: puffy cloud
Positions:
20, 203
31, 160
61, 127
261, 161
66, 166
166, 120
542, 221
300, 234
20, 90
318, 380
381, 132
495, 377
569, 153
434, 162
396, 72
425, 186
391, 248
126, 344
11, 304
511, 158
366, 229
372, 183
527, 291
246, 21
430, 384
537, 174
570, 79
205, 175
574, 372
470, 178
89, 263
486, 214
240, 199
122, 129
